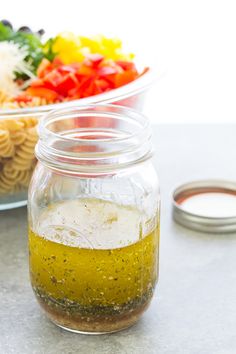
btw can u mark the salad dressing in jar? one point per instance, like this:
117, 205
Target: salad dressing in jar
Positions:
94, 226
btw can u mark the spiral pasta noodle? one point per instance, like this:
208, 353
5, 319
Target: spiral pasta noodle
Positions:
4, 97
17, 142
6, 146
9, 102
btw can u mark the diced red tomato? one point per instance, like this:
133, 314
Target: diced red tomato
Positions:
37, 83
44, 67
95, 59
43, 92
95, 75
85, 70
67, 83
102, 84
126, 65
73, 94
23, 98
64, 69
125, 78
57, 62
106, 70
52, 79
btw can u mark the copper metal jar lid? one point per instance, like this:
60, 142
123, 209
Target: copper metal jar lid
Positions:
207, 206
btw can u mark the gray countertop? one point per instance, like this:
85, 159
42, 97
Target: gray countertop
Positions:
194, 308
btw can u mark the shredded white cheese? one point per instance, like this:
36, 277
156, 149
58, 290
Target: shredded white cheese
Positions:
12, 60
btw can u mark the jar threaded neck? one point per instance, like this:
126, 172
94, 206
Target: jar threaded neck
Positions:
94, 138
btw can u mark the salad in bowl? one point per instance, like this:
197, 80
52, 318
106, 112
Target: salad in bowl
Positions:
37, 76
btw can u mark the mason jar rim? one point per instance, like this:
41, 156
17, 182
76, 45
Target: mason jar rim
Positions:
111, 148
139, 117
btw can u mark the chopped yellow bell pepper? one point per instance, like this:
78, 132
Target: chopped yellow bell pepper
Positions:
71, 48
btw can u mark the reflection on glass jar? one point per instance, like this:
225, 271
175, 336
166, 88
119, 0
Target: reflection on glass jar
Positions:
94, 218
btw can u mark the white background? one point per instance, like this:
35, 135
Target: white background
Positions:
191, 43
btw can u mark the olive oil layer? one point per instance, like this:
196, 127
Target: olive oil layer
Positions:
93, 281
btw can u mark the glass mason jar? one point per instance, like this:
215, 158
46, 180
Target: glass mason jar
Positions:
94, 218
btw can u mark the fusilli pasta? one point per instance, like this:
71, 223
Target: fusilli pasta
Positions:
17, 141
9, 103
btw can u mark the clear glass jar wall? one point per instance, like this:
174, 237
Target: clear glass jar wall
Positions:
18, 137
94, 218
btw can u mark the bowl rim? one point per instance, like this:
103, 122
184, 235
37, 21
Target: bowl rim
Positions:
135, 87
